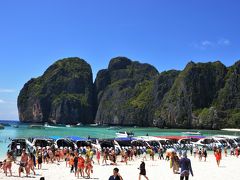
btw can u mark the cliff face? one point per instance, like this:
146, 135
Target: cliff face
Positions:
63, 94
228, 101
119, 87
203, 95
195, 88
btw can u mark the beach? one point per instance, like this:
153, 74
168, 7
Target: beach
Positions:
156, 170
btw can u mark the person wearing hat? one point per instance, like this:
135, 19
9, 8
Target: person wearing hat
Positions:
186, 167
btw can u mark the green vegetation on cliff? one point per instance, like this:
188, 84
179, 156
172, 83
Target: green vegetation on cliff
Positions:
203, 95
64, 90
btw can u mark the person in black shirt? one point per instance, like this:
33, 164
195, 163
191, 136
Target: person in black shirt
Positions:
142, 171
116, 175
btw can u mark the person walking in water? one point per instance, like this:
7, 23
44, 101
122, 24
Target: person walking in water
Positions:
142, 171
186, 167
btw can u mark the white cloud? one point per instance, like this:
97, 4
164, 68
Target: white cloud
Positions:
205, 44
223, 42
2, 101
3, 90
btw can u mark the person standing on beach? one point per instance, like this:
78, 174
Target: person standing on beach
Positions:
30, 164
205, 154
191, 150
200, 154
116, 175
71, 162
75, 160
81, 166
104, 156
152, 153
39, 159
23, 163
225, 151
144, 155
237, 152
126, 157
8, 164
89, 166
218, 156
175, 162
194, 151
98, 155
160, 154
232, 151
186, 167
142, 171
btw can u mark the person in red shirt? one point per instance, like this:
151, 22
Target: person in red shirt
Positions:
237, 152
81, 166
218, 156
98, 154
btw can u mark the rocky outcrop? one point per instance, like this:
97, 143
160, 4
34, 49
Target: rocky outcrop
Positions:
203, 95
63, 94
228, 101
118, 90
194, 89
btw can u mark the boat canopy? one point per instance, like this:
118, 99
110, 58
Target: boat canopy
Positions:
55, 137
76, 138
125, 139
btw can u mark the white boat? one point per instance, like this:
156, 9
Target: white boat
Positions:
48, 126
18, 144
192, 133
36, 126
94, 125
114, 128
231, 129
124, 134
79, 125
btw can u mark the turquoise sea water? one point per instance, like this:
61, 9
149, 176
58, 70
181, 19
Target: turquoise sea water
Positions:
96, 132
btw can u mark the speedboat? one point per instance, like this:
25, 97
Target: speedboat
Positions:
84, 142
78, 125
15, 126
46, 125
94, 125
109, 144
150, 141
36, 126
41, 142
17, 145
192, 133
208, 142
63, 142
114, 128
124, 134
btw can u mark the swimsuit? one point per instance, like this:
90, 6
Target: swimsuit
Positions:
23, 164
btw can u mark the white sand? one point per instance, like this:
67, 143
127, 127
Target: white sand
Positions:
156, 170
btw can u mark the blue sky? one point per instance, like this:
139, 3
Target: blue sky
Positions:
166, 34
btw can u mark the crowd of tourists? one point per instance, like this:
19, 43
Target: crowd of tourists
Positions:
80, 161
